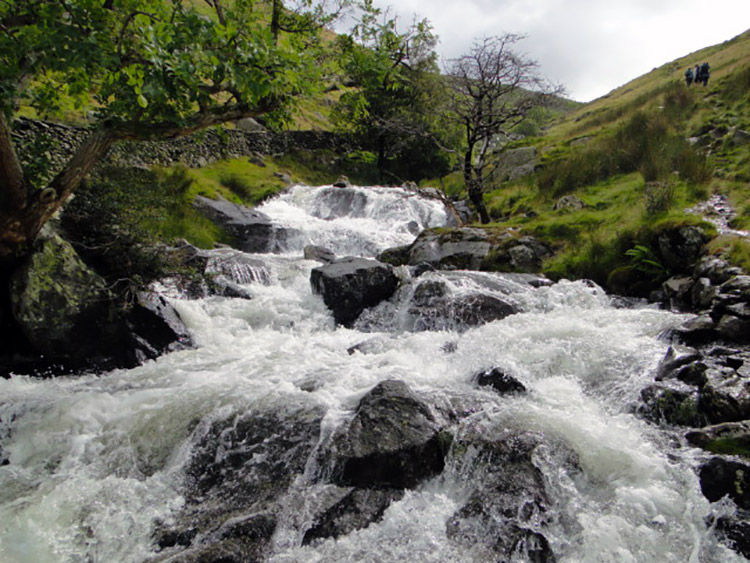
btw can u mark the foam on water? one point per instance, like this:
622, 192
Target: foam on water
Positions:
97, 462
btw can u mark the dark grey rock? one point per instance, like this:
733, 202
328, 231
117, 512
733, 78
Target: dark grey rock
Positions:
734, 329
156, 326
681, 248
506, 511
319, 254
393, 441
702, 294
434, 307
252, 230
722, 477
239, 469
356, 510
674, 403
697, 331
462, 249
500, 381
350, 285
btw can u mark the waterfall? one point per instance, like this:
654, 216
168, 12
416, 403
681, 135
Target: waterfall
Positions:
114, 467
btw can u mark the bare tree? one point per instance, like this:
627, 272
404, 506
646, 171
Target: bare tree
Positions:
493, 88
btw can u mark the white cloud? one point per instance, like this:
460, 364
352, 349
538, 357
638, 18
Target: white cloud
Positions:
590, 46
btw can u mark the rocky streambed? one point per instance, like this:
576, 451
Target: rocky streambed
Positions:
332, 406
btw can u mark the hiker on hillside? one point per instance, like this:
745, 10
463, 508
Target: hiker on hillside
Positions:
689, 76
705, 73
697, 74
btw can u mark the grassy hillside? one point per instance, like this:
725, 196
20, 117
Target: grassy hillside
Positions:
637, 158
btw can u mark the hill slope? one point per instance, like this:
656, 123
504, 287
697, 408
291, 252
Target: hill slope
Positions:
636, 159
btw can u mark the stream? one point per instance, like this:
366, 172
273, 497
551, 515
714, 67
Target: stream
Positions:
99, 464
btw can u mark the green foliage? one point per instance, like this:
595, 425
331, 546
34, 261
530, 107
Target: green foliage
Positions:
147, 61
643, 259
242, 180
646, 142
659, 196
392, 109
236, 184
117, 219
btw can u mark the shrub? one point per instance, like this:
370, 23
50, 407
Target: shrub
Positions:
236, 184
659, 196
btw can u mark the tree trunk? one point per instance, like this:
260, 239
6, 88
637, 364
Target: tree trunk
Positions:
27, 209
474, 187
276, 8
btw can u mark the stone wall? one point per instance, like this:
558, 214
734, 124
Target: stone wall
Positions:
193, 151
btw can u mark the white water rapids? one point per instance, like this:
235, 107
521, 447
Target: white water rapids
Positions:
95, 461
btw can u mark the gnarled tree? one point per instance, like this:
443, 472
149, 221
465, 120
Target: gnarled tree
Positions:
149, 69
493, 89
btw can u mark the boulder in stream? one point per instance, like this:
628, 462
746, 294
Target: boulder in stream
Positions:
393, 442
252, 230
350, 285
506, 511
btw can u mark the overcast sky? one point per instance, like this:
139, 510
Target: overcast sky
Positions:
589, 46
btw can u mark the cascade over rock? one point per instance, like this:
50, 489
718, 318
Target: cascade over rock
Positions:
240, 468
252, 230
506, 510
393, 441
350, 285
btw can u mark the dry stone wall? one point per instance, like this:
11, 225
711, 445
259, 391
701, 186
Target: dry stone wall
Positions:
194, 151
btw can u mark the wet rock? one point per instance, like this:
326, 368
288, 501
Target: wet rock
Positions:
156, 327
731, 438
434, 307
735, 531
67, 314
239, 469
676, 404
680, 248
720, 477
251, 229
702, 294
734, 328
342, 182
242, 540
340, 201
500, 381
350, 285
698, 331
506, 511
356, 510
319, 254
461, 249
677, 292
676, 358
393, 441
396, 256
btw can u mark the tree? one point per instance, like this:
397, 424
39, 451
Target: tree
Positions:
493, 88
396, 84
304, 16
155, 69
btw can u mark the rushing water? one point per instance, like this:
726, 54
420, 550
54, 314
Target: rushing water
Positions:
96, 461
